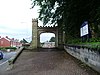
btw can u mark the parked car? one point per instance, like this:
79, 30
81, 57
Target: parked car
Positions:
1, 55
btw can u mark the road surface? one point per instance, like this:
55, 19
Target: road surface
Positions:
7, 55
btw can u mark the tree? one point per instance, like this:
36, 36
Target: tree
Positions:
70, 14
23, 41
52, 39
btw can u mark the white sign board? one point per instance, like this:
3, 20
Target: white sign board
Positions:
84, 29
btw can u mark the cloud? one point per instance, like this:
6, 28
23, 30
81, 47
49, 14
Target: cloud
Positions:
16, 19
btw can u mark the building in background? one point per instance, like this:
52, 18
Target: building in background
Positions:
48, 44
8, 42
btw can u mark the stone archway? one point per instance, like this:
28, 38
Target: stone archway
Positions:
37, 30
47, 30
46, 41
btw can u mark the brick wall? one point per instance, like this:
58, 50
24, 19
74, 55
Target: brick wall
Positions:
4, 42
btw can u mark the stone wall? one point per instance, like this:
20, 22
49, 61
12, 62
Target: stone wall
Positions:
88, 56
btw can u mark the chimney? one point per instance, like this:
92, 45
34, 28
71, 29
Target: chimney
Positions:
12, 38
6, 36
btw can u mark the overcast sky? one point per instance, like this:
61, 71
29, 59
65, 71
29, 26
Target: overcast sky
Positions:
16, 19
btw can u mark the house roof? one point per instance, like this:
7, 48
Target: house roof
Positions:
5, 38
9, 39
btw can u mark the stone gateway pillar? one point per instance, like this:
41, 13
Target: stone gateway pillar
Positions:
34, 33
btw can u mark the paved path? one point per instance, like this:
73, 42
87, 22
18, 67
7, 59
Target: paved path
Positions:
47, 63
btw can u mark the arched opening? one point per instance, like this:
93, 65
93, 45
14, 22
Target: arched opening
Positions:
47, 40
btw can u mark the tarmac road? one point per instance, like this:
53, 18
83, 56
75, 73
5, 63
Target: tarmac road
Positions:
7, 55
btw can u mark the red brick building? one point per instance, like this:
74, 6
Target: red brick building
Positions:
7, 42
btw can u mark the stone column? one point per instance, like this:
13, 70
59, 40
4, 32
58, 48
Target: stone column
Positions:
63, 37
38, 40
56, 37
34, 33
60, 39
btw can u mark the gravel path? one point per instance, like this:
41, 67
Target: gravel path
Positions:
47, 63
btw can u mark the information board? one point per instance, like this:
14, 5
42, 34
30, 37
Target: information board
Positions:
84, 30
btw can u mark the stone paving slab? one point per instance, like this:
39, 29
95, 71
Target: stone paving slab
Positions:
47, 63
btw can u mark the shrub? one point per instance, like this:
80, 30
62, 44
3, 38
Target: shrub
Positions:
11, 48
74, 41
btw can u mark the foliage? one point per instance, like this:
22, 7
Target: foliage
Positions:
4, 48
70, 14
0, 48
42, 44
93, 44
74, 41
52, 39
11, 48
93, 41
23, 41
